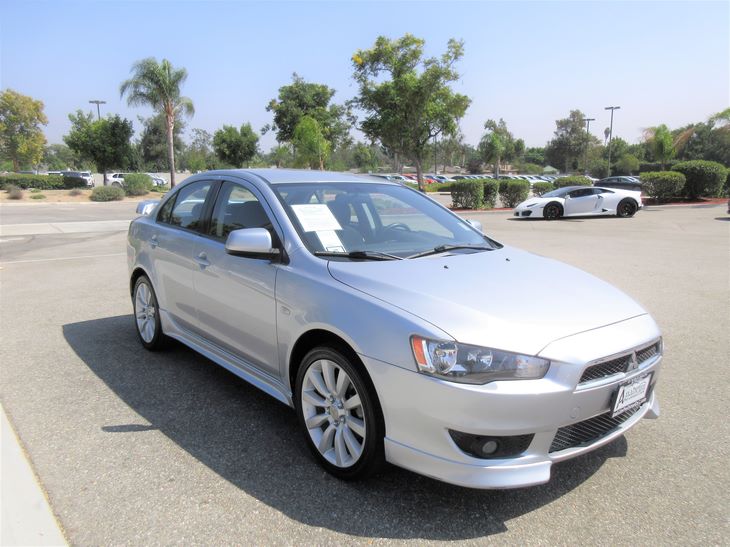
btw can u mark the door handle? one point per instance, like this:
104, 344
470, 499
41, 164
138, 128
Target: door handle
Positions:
153, 241
202, 260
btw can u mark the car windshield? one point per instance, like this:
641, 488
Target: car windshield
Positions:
375, 219
559, 193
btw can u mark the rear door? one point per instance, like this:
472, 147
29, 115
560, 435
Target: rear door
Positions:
173, 240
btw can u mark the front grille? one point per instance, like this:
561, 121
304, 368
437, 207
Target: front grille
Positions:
588, 431
620, 364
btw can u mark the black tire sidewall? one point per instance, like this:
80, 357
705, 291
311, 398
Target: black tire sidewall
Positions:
550, 206
624, 203
158, 339
373, 452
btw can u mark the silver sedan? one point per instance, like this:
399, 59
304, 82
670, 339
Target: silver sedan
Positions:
397, 331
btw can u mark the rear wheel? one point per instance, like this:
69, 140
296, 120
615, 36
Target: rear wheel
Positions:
552, 211
147, 315
626, 208
340, 415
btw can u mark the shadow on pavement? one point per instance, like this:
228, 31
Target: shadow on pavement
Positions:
253, 441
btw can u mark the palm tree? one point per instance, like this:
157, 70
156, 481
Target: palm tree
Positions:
158, 85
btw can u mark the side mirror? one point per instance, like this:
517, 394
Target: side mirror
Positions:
251, 243
147, 206
476, 225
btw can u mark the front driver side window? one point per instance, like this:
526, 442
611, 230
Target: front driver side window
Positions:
236, 207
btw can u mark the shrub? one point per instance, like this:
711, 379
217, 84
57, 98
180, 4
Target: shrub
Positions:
703, 178
42, 182
467, 194
14, 192
137, 184
75, 192
34, 190
437, 187
539, 188
107, 193
514, 192
645, 166
73, 182
662, 184
562, 182
491, 191
38, 196
160, 189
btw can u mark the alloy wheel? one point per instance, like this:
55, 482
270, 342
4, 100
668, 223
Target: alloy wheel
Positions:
145, 309
333, 413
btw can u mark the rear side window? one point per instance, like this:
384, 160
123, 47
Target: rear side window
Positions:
187, 211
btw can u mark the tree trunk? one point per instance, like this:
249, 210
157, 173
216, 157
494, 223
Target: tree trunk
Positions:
419, 176
16, 166
171, 148
321, 163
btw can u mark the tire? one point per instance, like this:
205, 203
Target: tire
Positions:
552, 211
340, 416
626, 208
116, 184
147, 315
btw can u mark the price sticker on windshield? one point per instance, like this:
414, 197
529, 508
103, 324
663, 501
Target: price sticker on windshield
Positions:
316, 217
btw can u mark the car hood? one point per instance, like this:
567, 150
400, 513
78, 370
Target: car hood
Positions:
506, 298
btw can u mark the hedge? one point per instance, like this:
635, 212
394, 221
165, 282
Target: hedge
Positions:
662, 184
514, 192
42, 182
107, 193
540, 188
137, 184
491, 191
562, 182
74, 182
467, 194
704, 178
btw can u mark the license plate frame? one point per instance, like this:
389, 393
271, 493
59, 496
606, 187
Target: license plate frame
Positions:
630, 394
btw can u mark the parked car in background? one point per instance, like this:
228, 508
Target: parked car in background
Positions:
572, 201
318, 288
620, 182
116, 179
86, 175
157, 180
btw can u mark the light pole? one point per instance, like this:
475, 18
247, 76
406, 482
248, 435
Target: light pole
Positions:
610, 136
588, 143
98, 111
97, 102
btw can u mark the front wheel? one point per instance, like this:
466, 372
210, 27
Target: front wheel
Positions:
626, 208
552, 211
339, 414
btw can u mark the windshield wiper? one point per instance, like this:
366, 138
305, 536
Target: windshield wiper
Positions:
445, 248
367, 255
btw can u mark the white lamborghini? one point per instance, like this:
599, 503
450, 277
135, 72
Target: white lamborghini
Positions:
573, 201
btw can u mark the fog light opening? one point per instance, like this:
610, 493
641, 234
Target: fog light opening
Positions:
490, 447
487, 447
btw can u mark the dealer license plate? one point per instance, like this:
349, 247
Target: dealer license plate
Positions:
630, 394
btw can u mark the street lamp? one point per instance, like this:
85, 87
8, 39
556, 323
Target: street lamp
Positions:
97, 103
610, 136
588, 142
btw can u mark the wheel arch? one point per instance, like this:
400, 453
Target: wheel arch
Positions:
136, 274
321, 337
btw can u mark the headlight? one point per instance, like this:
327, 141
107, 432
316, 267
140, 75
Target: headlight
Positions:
473, 364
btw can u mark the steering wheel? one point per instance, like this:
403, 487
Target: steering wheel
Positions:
397, 226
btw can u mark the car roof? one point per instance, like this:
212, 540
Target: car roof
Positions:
287, 176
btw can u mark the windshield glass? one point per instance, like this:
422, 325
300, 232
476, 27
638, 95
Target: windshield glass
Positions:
559, 193
376, 218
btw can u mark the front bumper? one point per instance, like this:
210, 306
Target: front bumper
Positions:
419, 410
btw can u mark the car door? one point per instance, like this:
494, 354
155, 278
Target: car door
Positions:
235, 296
580, 202
172, 242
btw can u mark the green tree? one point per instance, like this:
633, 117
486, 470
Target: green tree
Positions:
498, 144
568, 146
104, 142
627, 165
199, 154
21, 137
59, 157
406, 99
661, 143
301, 98
235, 146
158, 85
365, 157
535, 155
281, 156
311, 147
153, 150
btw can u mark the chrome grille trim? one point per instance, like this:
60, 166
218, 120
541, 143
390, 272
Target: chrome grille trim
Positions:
621, 363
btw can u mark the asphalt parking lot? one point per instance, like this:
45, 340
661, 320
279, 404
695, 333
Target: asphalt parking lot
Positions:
167, 448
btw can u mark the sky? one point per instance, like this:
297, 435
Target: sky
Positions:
529, 63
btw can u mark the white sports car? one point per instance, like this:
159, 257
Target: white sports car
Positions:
573, 201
